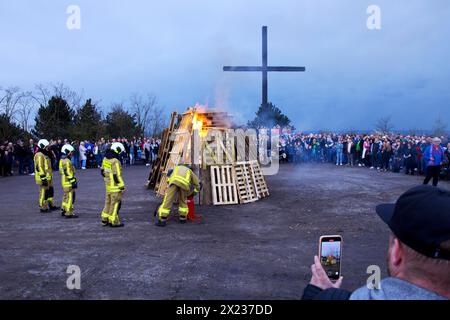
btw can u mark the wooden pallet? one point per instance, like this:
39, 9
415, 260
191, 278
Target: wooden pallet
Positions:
176, 153
250, 181
245, 184
163, 153
223, 185
258, 177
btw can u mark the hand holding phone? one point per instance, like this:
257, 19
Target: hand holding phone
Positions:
330, 255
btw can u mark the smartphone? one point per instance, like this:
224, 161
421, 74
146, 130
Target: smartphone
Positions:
330, 255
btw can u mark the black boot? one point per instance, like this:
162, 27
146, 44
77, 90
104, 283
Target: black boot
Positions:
44, 210
63, 213
160, 223
116, 225
182, 221
72, 216
52, 208
105, 223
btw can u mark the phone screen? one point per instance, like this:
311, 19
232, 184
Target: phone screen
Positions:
330, 256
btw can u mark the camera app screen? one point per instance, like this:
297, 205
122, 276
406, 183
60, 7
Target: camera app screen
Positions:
330, 257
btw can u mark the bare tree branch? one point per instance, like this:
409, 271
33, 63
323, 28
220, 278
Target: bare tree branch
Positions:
142, 108
384, 125
43, 93
25, 109
439, 127
158, 121
9, 101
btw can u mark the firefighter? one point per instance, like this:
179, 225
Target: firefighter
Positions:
111, 171
68, 181
182, 182
44, 176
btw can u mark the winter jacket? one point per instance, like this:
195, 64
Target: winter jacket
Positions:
390, 289
435, 152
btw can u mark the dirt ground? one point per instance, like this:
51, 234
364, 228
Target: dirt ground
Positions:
256, 251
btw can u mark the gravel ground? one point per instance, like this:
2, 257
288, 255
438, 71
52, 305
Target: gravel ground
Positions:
261, 250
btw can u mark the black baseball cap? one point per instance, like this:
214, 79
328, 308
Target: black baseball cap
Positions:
420, 219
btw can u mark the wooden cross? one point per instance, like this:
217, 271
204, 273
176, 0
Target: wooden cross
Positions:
264, 68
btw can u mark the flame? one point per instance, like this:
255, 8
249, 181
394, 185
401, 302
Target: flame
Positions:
197, 124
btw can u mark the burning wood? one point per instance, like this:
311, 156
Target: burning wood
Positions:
204, 138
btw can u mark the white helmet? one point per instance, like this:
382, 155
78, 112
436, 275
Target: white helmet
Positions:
67, 148
43, 143
117, 147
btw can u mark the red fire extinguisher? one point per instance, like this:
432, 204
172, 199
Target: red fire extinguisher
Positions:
191, 208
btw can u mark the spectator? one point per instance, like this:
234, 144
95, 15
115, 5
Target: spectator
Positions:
20, 156
9, 159
418, 257
97, 154
410, 159
83, 158
351, 149
131, 151
2, 159
386, 153
339, 152
434, 156
147, 150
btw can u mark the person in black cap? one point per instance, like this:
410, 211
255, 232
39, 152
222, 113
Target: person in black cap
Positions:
418, 257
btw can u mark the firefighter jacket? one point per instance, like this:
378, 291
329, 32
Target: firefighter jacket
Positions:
42, 168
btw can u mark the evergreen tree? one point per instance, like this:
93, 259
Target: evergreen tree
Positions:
54, 120
119, 123
10, 131
88, 123
269, 116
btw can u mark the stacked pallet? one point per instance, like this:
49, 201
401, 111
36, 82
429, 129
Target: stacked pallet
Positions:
177, 153
163, 154
227, 162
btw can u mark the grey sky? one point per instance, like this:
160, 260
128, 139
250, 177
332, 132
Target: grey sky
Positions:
176, 50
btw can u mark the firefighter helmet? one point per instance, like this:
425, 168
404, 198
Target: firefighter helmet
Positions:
43, 143
117, 147
67, 149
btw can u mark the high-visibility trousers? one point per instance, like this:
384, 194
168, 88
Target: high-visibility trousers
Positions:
169, 197
113, 202
46, 194
43, 191
68, 201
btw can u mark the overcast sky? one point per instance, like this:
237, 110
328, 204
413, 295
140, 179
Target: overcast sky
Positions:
176, 49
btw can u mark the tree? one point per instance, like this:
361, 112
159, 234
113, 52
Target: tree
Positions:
9, 101
119, 123
439, 127
55, 120
24, 110
88, 124
269, 116
43, 93
10, 131
384, 125
142, 109
157, 123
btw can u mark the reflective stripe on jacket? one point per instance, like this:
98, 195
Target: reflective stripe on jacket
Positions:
42, 167
67, 173
183, 177
112, 167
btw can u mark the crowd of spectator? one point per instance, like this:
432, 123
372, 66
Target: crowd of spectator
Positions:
393, 152
18, 157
